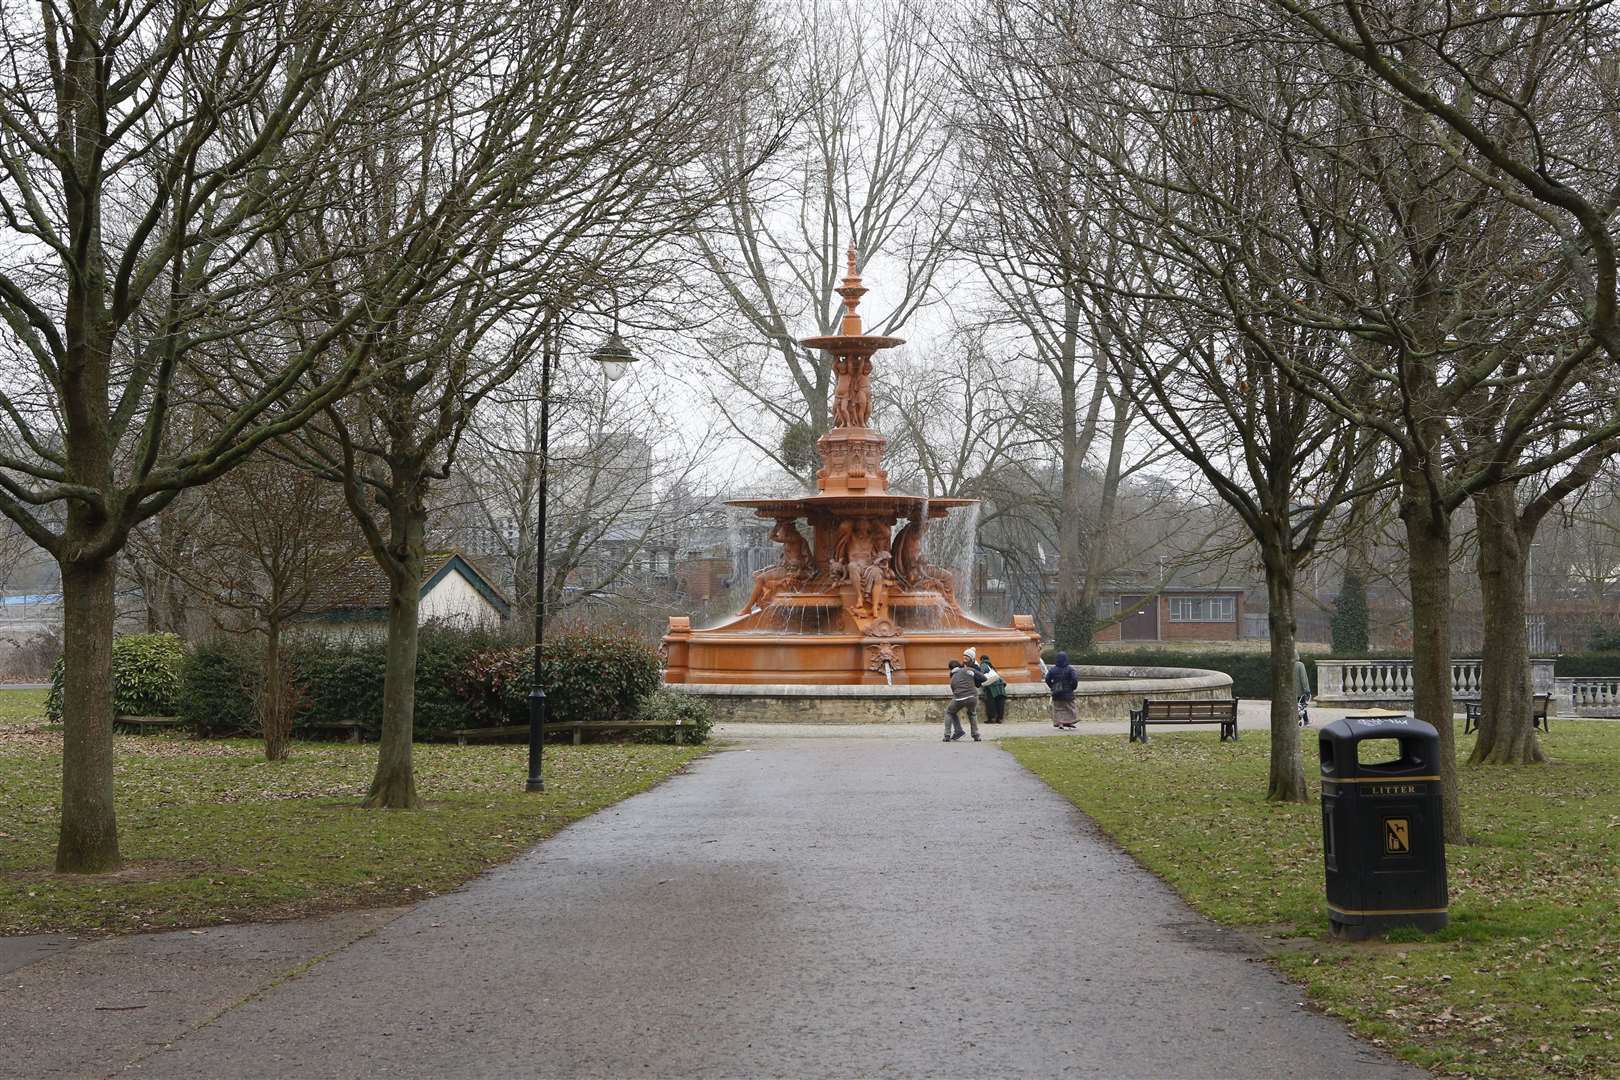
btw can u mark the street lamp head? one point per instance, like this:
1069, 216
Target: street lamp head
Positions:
614, 356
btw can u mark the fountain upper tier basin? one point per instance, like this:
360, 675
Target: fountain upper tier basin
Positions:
891, 506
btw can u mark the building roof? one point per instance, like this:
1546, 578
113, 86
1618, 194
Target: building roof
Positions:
1113, 589
361, 586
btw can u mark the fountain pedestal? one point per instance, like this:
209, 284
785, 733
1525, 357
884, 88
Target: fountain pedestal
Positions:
856, 602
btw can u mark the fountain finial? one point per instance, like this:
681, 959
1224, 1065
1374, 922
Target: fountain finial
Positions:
852, 290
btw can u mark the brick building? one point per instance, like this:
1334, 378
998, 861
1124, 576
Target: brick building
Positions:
1178, 613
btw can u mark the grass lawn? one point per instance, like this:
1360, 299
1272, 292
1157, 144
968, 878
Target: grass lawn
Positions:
212, 833
22, 707
1524, 983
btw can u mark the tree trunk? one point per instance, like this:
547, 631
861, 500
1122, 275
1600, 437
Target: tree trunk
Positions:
1287, 778
88, 841
394, 786
275, 715
1507, 734
1428, 542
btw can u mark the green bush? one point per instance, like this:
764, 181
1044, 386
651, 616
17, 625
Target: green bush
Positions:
146, 676
341, 678
337, 679
1591, 665
1074, 628
217, 682
1350, 615
588, 674
1603, 638
464, 678
667, 706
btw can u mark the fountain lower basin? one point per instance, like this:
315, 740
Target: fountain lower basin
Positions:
1105, 693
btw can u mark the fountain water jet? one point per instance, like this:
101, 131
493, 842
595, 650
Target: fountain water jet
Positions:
857, 602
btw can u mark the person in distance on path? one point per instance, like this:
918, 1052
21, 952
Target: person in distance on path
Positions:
1062, 680
964, 693
1302, 686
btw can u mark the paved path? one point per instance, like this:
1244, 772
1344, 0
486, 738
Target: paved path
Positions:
796, 908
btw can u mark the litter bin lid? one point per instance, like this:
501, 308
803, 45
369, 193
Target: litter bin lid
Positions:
1377, 724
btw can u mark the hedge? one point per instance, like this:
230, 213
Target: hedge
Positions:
464, 678
1593, 665
146, 671
1250, 671
589, 674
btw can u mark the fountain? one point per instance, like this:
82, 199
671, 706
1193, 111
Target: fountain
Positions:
853, 623
856, 601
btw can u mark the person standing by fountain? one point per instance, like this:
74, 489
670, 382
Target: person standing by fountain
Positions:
965, 681
995, 692
1062, 680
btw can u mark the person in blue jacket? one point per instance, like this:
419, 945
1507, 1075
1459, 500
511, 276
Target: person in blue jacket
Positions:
1063, 680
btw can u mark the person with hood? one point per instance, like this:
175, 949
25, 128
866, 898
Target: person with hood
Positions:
1063, 680
1302, 686
965, 681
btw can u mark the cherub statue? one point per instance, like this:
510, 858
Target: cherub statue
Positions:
792, 566
841, 391
874, 586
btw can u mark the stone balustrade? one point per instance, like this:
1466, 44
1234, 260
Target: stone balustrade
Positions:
1588, 695
1364, 682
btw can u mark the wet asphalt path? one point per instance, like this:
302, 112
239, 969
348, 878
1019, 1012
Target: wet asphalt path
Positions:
826, 908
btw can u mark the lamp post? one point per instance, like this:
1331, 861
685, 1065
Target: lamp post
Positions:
615, 358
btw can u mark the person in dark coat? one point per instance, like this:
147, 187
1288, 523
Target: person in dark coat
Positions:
1063, 680
995, 692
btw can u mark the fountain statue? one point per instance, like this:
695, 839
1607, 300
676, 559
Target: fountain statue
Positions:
857, 602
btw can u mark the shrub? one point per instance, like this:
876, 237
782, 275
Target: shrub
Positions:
588, 673
1350, 615
217, 682
1590, 665
341, 679
667, 706
464, 678
146, 676
1074, 628
1603, 638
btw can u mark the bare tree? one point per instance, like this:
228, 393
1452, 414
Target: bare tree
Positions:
1502, 130
1191, 313
621, 468
865, 164
149, 155
563, 152
262, 545
1032, 225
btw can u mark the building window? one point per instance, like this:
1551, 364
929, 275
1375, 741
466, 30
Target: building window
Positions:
1203, 609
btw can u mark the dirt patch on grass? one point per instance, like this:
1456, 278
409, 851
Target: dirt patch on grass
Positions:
130, 873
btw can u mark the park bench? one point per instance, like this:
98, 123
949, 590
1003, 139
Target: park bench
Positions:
1538, 713
146, 723
353, 731
465, 735
1222, 711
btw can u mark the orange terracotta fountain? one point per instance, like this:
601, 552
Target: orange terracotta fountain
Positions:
856, 602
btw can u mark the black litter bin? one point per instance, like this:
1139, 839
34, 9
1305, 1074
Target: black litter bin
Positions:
1383, 838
